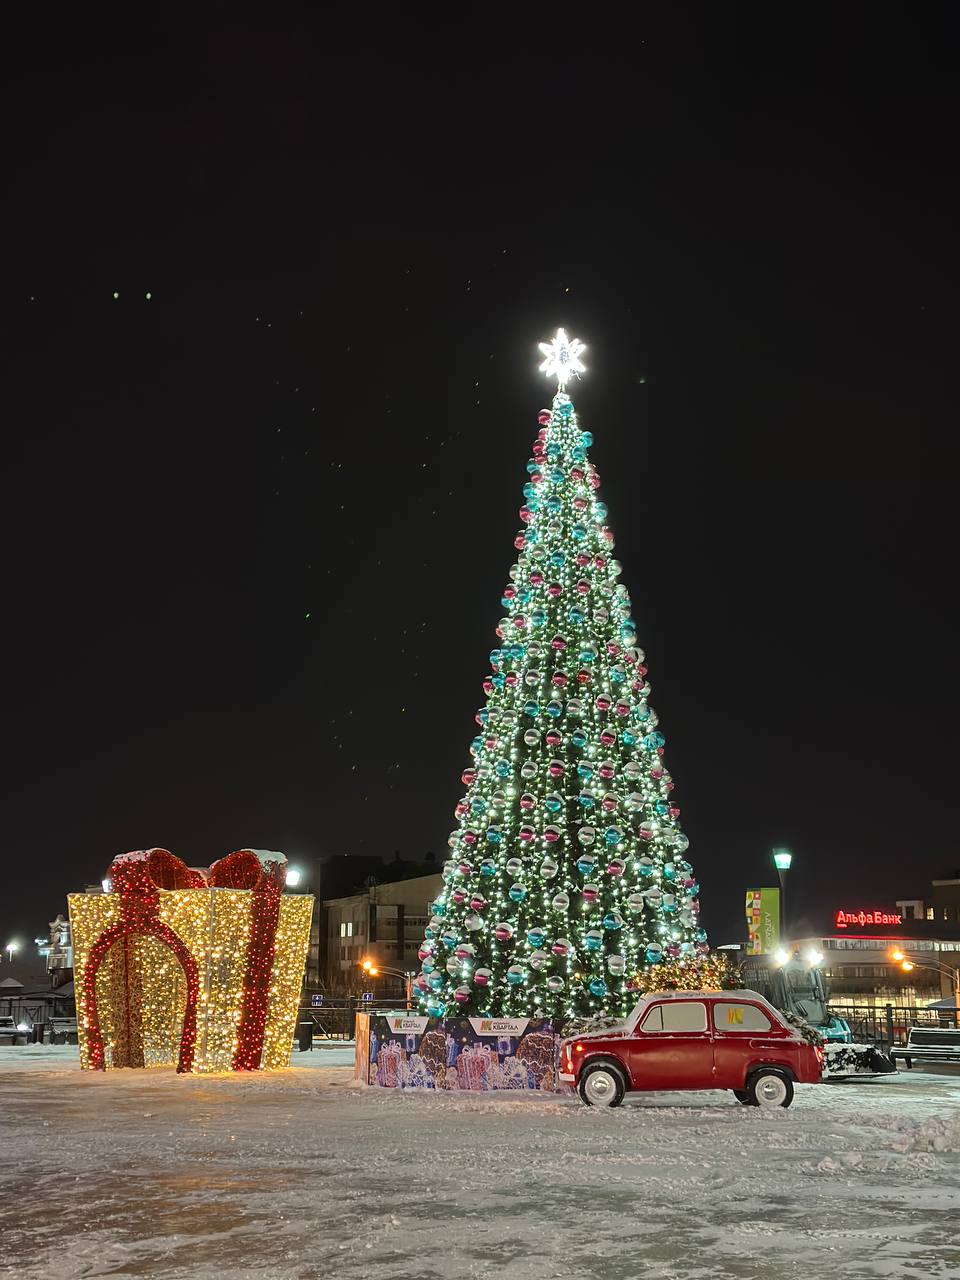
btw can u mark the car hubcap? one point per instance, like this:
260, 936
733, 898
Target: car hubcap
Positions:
771, 1091
601, 1087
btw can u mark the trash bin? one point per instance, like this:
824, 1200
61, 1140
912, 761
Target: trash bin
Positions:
304, 1036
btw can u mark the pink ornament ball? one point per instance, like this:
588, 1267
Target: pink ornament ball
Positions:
526, 834
543, 417
559, 678
487, 684
503, 932
553, 738
583, 586
519, 542
464, 869
554, 590
425, 952
558, 642
468, 777
526, 515
527, 801
511, 679
616, 868
478, 903
673, 949
590, 893
459, 897
536, 578
576, 473
602, 702
613, 648
469, 836
579, 504
608, 738
599, 561
555, 769
462, 995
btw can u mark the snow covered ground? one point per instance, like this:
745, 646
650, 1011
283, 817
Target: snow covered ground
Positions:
306, 1174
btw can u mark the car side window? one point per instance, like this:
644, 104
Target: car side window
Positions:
684, 1015
730, 1016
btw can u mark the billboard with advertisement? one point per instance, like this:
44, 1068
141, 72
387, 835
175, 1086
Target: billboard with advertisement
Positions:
763, 921
409, 1051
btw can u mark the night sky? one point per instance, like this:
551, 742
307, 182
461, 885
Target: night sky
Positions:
257, 524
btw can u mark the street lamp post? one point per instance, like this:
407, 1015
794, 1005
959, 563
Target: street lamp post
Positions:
376, 970
782, 858
10, 948
908, 963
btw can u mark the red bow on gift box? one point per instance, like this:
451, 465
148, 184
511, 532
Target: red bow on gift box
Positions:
138, 878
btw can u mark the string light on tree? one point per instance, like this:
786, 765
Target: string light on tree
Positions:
567, 876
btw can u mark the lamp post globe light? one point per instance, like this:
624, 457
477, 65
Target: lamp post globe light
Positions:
782, 859
10, 948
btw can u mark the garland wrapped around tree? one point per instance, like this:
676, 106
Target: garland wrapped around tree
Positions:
567, 875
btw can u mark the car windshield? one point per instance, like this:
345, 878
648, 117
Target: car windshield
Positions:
806, 994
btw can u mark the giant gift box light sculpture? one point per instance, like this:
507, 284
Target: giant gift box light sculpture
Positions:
201, 968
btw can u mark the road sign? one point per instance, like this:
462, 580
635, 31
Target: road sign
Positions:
367, 995
316, 1000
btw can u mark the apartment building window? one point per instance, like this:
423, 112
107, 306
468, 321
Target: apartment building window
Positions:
346, 928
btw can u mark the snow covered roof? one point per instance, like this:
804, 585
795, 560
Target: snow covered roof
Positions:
742, 994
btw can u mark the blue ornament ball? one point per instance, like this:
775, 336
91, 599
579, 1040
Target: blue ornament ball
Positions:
598, 987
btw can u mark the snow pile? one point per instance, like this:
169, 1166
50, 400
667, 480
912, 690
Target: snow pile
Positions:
938, 1133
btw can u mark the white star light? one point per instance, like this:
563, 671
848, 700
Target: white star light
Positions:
562, 358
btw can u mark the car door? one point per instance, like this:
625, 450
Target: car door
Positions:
742, 1032
672, 1048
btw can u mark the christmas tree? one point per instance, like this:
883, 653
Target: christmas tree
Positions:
568, 877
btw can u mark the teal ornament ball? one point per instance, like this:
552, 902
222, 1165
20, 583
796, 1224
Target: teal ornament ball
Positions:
598, 987
516, 974
435, 1008
593, 940
517, 892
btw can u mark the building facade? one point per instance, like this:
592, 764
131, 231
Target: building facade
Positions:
858, 943
383, 924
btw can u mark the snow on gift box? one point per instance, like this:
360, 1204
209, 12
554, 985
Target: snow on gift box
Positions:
197, 968
410, 1051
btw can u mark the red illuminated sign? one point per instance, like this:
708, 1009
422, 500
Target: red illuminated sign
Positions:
866, 917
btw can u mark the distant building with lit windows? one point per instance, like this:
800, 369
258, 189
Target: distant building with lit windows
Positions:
858, 940
384, 923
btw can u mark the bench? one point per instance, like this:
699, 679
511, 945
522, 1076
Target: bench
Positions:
63, 1030
929, 1044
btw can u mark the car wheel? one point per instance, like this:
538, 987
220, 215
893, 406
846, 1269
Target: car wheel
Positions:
601, 1085
769, 1088
743, 1096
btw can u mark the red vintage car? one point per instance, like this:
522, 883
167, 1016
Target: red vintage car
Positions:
693, 1040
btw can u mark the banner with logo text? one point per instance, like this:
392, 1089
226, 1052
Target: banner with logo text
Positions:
763, 921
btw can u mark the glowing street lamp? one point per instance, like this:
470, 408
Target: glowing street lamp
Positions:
782, 858
293, 877
10, 948
376, 971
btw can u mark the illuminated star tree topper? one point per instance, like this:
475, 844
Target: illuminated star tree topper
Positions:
562, 358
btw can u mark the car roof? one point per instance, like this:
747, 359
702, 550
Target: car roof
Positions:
704, 995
